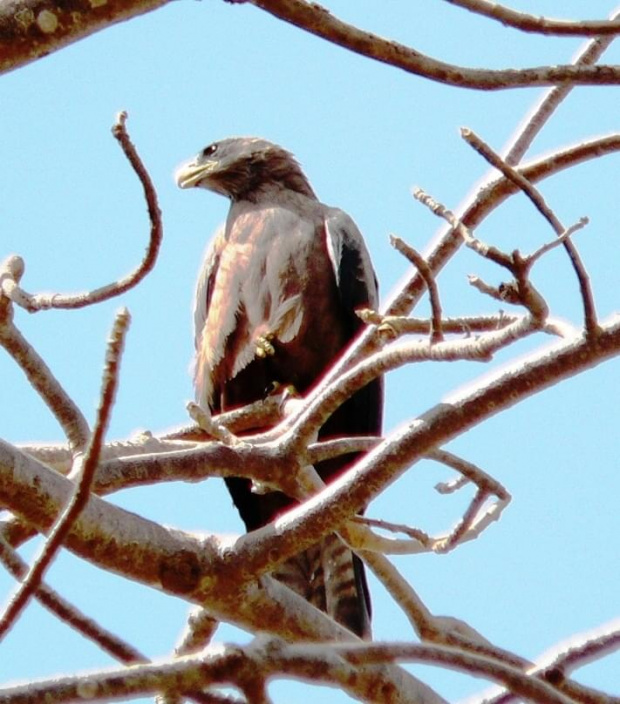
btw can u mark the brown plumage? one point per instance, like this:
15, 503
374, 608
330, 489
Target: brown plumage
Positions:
275, 303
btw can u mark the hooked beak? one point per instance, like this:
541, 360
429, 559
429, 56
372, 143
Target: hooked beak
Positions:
192, 173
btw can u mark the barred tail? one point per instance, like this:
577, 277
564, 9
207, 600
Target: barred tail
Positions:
331, 578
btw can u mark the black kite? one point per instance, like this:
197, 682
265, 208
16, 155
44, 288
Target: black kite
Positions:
275, 304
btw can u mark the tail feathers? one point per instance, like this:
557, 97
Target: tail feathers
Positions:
331, 578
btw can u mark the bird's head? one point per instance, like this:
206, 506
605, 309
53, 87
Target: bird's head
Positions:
244, 168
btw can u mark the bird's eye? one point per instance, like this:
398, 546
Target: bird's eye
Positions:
210, 150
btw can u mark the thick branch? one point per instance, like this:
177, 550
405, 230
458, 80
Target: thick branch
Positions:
317, 20
244, 667
30, 29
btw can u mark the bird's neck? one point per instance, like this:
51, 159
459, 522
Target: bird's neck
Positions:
271, 178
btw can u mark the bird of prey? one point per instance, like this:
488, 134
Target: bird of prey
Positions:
275, 307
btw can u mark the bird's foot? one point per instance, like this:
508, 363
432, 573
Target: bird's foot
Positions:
264, 346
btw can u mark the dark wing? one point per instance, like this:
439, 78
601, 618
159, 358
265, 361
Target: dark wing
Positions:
355, 275
362, 414
357, 286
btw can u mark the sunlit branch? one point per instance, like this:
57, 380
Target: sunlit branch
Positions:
425, 272
302, 526
317, 20
556, 665
39, 375
550, 101
542, 25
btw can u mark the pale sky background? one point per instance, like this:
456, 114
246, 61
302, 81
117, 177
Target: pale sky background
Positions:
365, 133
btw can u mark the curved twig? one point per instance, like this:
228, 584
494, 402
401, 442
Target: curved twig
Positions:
425, 272
45, 301
490, 197
313, 18
524, 184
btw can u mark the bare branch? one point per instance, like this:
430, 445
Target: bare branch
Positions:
399, 325
470, 472
425, 272
45, 301
39, 375
419, 536
302, 526
242, 667
550, 101
212, 428
489, 197
532, 193
543, 25
317, 20
86, 467
556, 665
322, 403
326, 449
34, 28
200, 629
522, 684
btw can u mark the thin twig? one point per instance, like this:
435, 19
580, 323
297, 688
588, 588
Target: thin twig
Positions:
402, 325
317, 20
550, 101
414, 533
86, 466
569, 232
45, 301
470, 471
426, 273
212, 428
521, 291
536, 198
541, 25
466, 523
201, 626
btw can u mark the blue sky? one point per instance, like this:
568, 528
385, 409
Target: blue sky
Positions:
192, 73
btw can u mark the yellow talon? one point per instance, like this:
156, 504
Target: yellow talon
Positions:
264, 348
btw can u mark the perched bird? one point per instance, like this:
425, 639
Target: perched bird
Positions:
275, 306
